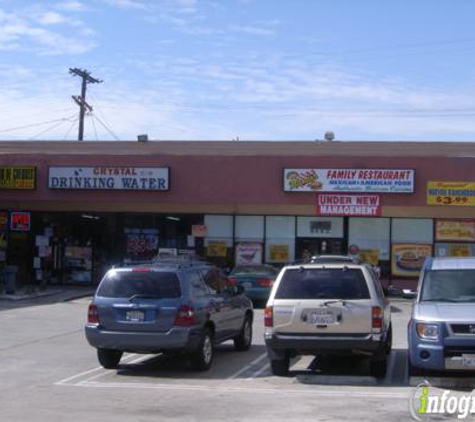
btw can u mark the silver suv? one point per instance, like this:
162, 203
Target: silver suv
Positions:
328, 308
170, 307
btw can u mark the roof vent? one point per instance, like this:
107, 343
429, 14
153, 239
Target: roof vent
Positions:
142, 138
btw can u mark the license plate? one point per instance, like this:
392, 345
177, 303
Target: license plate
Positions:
321, 319
247, 285
468, 360
135, 316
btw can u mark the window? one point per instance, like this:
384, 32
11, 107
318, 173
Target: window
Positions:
198, 288
449, 286
321, 283
150, 284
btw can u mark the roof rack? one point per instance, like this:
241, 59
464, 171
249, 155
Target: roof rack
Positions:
329, 259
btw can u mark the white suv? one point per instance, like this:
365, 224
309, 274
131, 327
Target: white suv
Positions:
328, 308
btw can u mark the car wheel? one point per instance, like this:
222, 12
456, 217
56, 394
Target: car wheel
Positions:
389, 340
109, 358
378, 366
280, 367
202, 358
243, 341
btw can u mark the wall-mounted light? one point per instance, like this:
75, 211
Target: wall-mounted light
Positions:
169, 217
90, 217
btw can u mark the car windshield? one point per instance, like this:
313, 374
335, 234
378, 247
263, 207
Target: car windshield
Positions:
449, 286
253, 269
323, 283
140, 285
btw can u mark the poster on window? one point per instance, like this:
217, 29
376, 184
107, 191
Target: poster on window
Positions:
248, 253
216, 249
408, 259
141, 244
370, 256
279, 253
455, 230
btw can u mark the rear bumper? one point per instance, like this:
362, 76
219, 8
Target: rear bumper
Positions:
176, 339
367, 344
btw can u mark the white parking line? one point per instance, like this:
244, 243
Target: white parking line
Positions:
90, 371
247, 367
259, 372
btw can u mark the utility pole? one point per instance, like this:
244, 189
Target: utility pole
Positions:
81, 99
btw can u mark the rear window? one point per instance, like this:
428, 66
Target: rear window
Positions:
125, 284
337, 283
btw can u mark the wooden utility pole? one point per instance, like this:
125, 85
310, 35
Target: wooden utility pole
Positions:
81, 99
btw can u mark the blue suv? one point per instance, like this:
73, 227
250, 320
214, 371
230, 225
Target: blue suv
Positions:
441, 332
173, 307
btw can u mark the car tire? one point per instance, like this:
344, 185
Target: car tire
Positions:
280, 367
378, 366
109, 358
389, 340
244, 340
202, 358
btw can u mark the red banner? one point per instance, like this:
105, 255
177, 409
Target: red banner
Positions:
349, 205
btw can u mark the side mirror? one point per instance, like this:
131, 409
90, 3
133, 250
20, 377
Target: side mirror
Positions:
409, 294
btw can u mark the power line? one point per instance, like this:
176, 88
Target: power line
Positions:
65, 137
94, 126
46, 130
105, 127
64, 119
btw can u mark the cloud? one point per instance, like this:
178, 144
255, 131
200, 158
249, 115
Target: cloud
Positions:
71, 6
252, 30
127, 4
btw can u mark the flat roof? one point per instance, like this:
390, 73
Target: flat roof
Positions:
242, 148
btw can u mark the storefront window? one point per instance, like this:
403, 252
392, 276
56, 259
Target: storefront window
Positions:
218, 242
280, 239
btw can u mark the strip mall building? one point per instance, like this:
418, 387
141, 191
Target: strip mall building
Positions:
69, 210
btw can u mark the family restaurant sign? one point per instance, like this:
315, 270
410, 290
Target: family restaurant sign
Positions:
348, 205
109, 178
349, 180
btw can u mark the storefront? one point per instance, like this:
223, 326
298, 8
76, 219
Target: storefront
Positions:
70, 210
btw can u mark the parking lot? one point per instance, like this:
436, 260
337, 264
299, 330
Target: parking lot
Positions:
49, 372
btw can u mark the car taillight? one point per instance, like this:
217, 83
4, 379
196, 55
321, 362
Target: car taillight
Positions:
377, 317
141, 270
92, 315
185, 316
233, 280
268, 317
265, 282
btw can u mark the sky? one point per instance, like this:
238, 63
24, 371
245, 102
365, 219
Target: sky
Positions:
250, 70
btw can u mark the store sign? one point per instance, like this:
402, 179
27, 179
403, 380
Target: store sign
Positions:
279, 253
408, 259
20, 221
13, 177
349, 180
451, 193
248, 253
109, 178
217, 250
349, 205
455, 230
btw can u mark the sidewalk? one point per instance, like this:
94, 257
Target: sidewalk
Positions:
56, 293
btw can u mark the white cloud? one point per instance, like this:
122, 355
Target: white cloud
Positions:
51, 18
71, 6
252, 30
127, 4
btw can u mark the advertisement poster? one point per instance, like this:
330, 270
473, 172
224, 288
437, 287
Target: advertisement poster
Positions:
3, 220
20, 221
280, 253
370, 256
348, 205
217, 250
451, 193
408, 259
198, 230
349, 180
141, 244
17, 177
454, 249
455, 230
248, 253
109, 178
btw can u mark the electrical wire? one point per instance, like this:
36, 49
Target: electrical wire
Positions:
64, 119
65, 137
94, 126
46, 130
105, 127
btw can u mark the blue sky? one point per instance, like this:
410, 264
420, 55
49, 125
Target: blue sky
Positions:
247, 69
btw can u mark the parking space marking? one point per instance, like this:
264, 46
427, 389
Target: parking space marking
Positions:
247, 367
259, 372
90, 371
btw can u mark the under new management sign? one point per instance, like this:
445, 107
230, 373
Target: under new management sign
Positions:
109, 178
